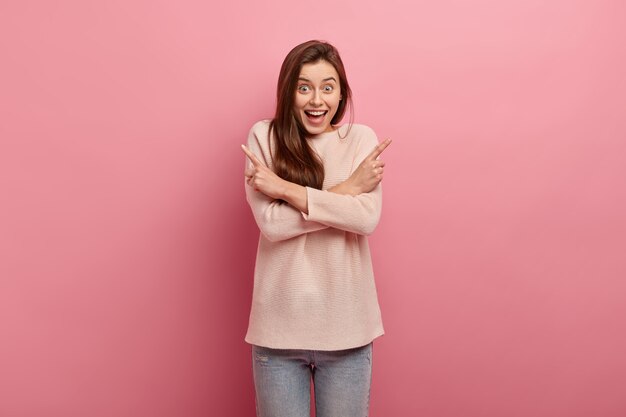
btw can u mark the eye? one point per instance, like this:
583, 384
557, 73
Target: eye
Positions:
328, 88
304, 88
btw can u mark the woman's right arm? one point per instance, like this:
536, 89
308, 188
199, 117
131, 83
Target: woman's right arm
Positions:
276, 220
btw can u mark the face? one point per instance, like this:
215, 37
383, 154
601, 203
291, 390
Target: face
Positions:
318, 95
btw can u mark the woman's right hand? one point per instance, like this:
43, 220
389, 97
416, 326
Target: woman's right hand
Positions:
368, 174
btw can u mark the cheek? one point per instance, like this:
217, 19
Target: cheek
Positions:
297, 111
299, 101
335, 108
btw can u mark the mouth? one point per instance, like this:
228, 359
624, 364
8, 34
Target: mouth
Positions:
315, 116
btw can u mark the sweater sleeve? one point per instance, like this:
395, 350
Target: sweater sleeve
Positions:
357, 214
277, 221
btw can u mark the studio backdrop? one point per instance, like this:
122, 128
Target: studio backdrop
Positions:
127, 247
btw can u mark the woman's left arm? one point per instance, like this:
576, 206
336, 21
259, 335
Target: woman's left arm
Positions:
354, 205
357, 214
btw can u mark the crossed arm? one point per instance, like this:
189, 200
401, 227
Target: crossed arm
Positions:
359, 193
363, 180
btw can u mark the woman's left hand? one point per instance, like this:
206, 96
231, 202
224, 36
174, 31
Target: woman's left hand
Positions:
263, 179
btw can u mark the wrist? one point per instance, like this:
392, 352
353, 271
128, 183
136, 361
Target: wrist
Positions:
295, 195
285, 190
347, 188
351, 188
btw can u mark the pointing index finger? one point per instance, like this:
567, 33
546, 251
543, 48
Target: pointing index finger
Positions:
252, 157
379, 149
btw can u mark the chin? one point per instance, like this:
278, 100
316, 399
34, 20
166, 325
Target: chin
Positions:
316, 130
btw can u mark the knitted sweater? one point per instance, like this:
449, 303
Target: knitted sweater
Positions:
313, 281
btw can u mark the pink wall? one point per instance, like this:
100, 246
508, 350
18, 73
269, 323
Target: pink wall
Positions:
127, 248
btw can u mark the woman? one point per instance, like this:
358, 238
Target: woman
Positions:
314, 189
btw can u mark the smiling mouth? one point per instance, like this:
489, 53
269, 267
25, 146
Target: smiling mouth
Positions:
315, 115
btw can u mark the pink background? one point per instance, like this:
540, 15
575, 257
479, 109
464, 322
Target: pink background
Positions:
127, 247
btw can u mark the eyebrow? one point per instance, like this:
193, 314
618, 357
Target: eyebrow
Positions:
325, 79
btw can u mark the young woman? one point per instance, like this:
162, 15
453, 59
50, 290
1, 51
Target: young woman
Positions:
314, 189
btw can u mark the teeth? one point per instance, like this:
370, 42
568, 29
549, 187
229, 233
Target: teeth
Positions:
316, 113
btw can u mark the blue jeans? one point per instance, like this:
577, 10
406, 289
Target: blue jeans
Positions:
341, 379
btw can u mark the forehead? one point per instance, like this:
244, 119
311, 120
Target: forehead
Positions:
318, 71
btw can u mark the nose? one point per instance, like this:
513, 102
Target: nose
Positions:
316, 98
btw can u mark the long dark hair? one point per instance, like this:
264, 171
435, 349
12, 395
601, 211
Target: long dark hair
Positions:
293, 158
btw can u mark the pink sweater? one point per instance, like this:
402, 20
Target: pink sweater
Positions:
313, 282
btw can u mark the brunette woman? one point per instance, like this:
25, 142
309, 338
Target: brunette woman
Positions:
314, 189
